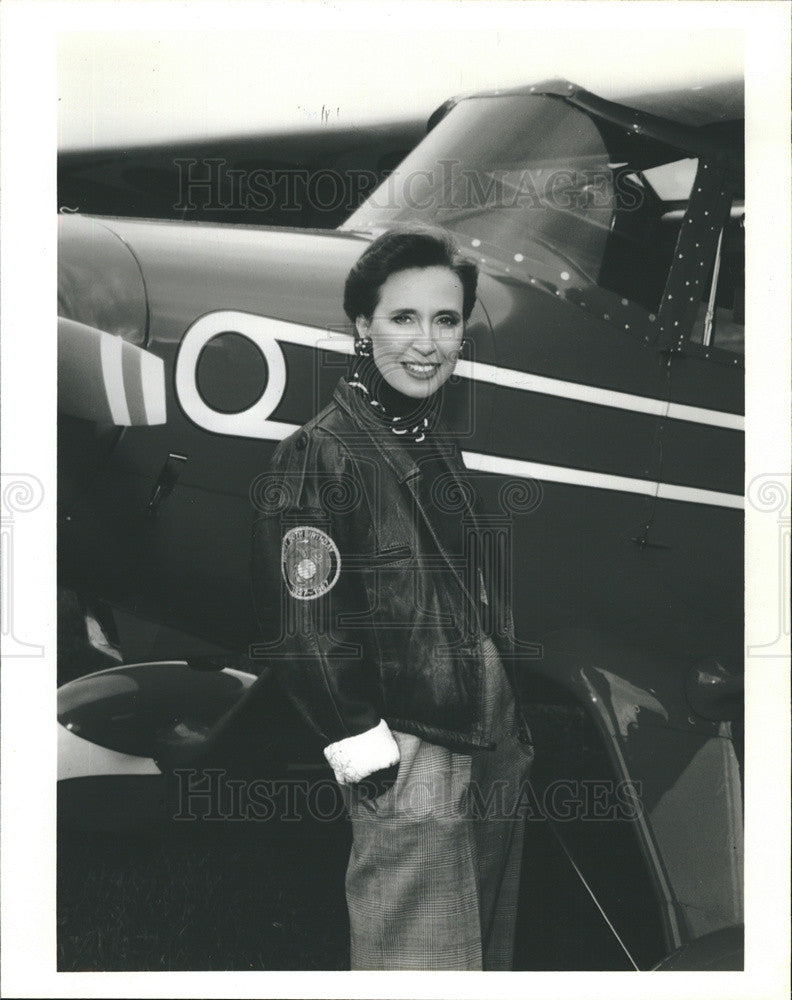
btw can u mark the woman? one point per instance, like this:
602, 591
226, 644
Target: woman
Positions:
380, 641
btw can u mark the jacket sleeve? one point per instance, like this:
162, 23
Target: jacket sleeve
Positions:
307, 569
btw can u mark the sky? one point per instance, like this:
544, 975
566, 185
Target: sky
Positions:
130, 82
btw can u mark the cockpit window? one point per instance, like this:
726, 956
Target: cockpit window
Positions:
672, 181
540, 189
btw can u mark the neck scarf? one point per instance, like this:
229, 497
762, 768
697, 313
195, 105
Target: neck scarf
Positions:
404, 416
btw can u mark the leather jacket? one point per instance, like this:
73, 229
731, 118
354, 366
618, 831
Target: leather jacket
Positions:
392, 627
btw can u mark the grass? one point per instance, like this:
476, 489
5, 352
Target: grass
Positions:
204, 896
270, 895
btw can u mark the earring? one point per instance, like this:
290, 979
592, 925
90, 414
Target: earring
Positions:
363, 347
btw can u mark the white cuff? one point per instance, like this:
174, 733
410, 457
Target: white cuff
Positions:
356, 757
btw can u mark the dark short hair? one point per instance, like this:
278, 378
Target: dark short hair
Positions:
399, 250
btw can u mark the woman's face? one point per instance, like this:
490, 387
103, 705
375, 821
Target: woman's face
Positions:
416, 329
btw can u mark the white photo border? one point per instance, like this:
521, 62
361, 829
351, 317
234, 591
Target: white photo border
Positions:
28, 35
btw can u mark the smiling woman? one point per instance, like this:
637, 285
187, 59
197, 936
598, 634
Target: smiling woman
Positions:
416, 331
409, 297
394, 650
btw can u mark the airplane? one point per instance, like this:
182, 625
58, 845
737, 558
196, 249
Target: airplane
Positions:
607, 385
307, 177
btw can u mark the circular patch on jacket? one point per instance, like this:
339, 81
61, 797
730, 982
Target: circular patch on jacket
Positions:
310, 562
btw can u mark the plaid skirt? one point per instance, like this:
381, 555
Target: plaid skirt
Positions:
434, 870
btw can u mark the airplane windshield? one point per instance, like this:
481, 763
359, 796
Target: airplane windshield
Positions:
538, 188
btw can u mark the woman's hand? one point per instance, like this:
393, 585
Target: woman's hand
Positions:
378, 783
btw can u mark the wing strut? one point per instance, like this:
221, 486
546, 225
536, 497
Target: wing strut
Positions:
590, 891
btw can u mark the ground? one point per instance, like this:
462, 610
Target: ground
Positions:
235, 895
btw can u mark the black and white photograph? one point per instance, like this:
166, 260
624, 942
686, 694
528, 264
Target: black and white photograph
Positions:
396, 498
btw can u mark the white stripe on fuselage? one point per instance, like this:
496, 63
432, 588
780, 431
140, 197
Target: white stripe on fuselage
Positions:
512, 378
326, 340
579, 477
526, 381
597, 480
111, 349
152, 378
